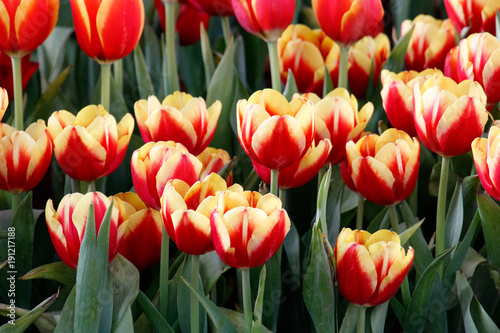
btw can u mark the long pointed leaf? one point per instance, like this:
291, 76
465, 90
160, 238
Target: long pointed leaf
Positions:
57, 271
154, 317
489, 212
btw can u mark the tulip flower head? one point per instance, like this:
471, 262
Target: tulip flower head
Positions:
248, 228
91, 144
186, 212
4, 102
263, 18
370, 267
24, 156
448, 116
472, 16
67, 224
347, 21
28, 68
214, 7
24, 25
272, 131
486, 155
384, 169
214, 160
108, 30
154, 164
180, 118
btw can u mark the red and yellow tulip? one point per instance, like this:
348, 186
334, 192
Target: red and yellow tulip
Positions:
336, 117
272, 131
384, 169
348, 21
91, 144
186, 212
451, 63
264, 18
370, 267
154, 164
448, 116
214, 7
248, 228
24, 25
301, 171
24, 156
472, 16
479, 60
141, 240
430, 42
486, 155
180, 118
28, 68
4, 102
397, 97
214, 160
108, 30
67, 224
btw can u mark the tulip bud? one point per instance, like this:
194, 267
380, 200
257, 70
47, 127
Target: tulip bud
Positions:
214, 160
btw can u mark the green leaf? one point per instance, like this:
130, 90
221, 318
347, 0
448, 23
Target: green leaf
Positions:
66, 322
272, 291
144, 84
259, 301
21, 324
406, 235
319, 293
378, 317
154, 317
184, 299
321, 205
489, 212
350, 321
292, 247
57, 271
399, 309
381, 218
396, 59
327, 83
238, 321
418, 308
454, 218
207, 55
219, 319
474, 316
291, 86
211, 268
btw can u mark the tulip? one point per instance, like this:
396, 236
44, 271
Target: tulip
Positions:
486, 158
451, 63
430, 42
248, 228
448, 116
186, 212
397, 97
273, 132
479, 60
370, 267
154, 164
188, 21
26, 24
28, 68
263, 18
347, 22
472, 16
214, 7
4, 102
214, 160
180, 118
336, 118
384, 168
24, 156
301, 171
141, 240
67, 224
107, 30
91, 144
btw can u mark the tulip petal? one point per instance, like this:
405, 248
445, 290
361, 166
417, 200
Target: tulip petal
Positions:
192, 232
374, 180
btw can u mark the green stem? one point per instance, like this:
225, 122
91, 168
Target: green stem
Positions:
118, 74
441, 205
282, 196
226, 28
105, 85
16, 200
194, 304
360, 212
361, 320
172, 77
91, 186
164, 263
274, 182
247, 299
343, 66
394, 218
272, 47
83, 187
18, 93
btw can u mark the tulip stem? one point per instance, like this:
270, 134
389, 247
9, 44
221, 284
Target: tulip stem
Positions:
361, 319
247, 299
171, 75
164, 267
105, 85
360, 212
394, 218
272, 47
194, 304
274, 182
343, 66
118, 74
441, 205
18, 93
91, 186
226, 29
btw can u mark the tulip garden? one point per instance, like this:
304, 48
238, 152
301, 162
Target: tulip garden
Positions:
249, 166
